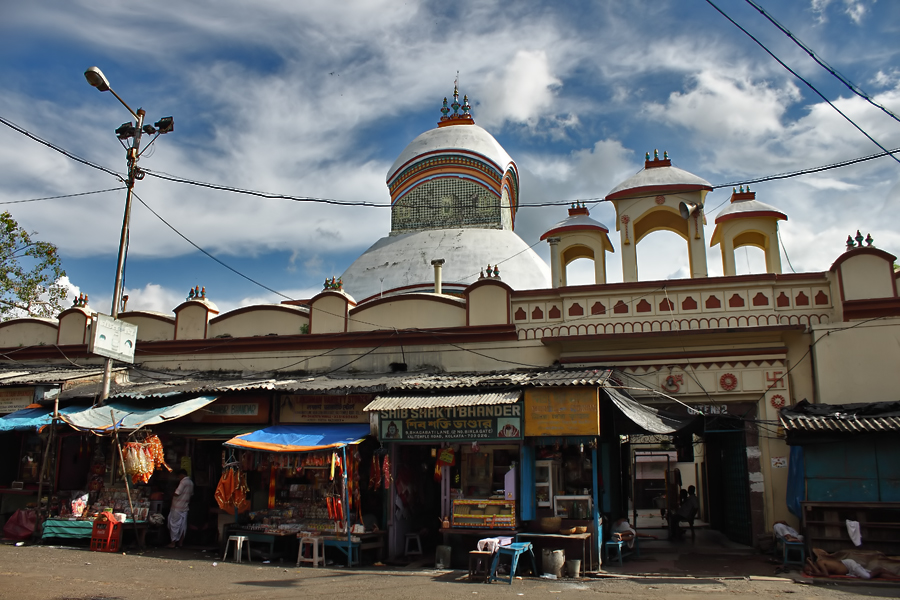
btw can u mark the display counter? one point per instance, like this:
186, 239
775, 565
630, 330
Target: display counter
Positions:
483, 513
73, 529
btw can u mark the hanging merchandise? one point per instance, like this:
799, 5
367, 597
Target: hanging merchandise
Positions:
231, 493
375, 474
386, 469
143, 458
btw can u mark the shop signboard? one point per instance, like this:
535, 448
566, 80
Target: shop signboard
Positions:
238, 409
324, 409
562, 411
452, 423
13, 399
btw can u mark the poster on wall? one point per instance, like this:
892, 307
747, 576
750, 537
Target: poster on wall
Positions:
324, 409
452, 423
562, 411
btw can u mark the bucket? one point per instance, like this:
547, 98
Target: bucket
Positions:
442, 557
552, 561
573, 567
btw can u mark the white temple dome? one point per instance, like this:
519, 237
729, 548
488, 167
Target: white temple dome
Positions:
402, 263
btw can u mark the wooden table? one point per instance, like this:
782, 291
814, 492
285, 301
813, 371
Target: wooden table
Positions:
372, 540
262, 536
584, 537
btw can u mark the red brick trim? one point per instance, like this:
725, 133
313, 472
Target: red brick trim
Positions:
706, 282
871, 309
653, 190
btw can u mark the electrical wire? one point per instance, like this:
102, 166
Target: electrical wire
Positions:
808, 84
227, 266
850, 85
115, 189
61, 150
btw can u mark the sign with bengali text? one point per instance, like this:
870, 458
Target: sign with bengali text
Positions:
452, 423
13, 399
324, 409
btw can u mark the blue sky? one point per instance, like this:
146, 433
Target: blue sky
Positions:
318, 99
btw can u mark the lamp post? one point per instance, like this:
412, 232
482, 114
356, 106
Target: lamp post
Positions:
96, 78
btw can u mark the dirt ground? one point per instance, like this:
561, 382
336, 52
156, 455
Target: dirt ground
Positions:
64, 573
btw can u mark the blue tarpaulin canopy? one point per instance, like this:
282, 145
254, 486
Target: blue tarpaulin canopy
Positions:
301, 438
131, 416
33, 418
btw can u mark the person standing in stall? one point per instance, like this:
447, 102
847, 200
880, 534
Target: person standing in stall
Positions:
179, 512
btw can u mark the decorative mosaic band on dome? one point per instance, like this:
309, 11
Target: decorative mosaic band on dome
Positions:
439, 160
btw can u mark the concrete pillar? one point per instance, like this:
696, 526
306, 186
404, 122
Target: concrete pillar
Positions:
557, 273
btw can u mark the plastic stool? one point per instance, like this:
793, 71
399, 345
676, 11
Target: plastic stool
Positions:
479, 562
317, 550
514, 551
614, 550
413, 537
239, 541
792, 547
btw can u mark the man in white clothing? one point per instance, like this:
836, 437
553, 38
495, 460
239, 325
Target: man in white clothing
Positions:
179, 511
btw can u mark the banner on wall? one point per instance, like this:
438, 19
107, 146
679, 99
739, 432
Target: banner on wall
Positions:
562, 411
324, 409
497, 422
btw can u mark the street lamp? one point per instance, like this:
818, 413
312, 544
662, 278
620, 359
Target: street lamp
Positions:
97, 79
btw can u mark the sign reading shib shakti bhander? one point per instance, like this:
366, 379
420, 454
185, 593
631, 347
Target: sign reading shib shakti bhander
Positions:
452, 423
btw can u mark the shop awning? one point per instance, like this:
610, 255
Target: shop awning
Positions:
131, 416
393, 402
301, 438
33, 418
648, 418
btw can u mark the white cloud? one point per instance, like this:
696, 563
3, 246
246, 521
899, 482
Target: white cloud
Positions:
153, 297
522, 92
725, 108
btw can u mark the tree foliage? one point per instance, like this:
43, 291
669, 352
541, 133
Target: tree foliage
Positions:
30, 273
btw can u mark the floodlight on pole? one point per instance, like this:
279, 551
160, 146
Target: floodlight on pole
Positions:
97, 79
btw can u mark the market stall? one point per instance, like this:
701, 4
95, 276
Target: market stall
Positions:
310, 475
111, 457
456, 464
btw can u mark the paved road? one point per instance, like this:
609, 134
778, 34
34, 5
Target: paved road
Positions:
53, 573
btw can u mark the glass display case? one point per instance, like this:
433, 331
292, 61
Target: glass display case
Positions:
573, 507
487, 514
546, 481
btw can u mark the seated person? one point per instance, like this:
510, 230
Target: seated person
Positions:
623, 531
686, 512
786, 532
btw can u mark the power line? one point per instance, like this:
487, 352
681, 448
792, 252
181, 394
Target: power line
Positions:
115, 189
188, 240
850, 85
61, 150
797, 75
789, 174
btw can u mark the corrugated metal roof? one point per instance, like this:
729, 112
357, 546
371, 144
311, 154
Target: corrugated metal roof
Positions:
47, 375
165, 385
392, 402
864, 417
833, 424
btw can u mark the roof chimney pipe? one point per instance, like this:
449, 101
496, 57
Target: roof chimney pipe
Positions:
437, 264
